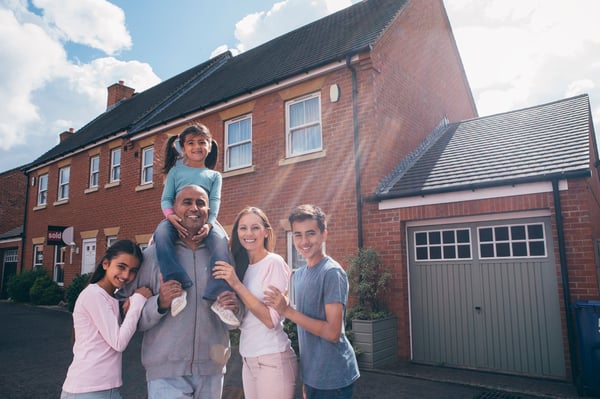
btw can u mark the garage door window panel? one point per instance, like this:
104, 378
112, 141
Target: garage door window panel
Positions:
443, 245
512, 241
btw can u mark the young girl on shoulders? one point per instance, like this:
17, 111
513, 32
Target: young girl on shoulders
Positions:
100, 337
199, 157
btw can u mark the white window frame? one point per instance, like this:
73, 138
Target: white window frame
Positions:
94, 171
38, 256
115, 165
59, 264
110, 240
510, 241
291, 130
63, 183
229, 145
441, 246
147, 168
42, 190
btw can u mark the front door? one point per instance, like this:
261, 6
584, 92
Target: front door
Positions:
9, 269
88, 262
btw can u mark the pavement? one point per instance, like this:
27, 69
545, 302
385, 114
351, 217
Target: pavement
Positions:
35, 352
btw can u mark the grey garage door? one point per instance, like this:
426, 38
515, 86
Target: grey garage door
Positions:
484, 295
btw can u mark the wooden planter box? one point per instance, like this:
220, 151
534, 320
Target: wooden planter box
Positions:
377, 342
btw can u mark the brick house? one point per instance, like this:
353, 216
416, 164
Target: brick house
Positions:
12, 211
497, 222
341, 113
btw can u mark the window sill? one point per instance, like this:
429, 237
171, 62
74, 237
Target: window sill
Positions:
90, 190
237, 172
113, 184
40, 207
302, 158
61, 202
143, 187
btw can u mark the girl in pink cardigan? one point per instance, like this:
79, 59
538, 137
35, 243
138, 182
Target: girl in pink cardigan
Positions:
100, 334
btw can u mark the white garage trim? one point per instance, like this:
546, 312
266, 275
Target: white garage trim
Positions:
470, 195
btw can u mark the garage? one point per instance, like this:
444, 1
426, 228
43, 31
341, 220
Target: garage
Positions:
484, 295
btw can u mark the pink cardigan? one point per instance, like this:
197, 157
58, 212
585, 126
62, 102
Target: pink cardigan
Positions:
100, 339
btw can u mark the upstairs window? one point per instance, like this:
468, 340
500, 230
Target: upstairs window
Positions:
147, 165
94, 171
238, 143
303, 125
115, 165
63, 183
42, 190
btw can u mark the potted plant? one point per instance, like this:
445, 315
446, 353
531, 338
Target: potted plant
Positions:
374, 328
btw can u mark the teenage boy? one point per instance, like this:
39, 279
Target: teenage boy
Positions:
327, 360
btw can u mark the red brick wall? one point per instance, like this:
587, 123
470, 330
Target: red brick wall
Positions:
120, 206
418, 79
386, 232
12, 199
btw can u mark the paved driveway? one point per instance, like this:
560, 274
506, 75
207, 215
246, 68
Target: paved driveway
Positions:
35, 352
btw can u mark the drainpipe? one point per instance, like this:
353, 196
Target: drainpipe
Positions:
359, 202
565, 279
23, 235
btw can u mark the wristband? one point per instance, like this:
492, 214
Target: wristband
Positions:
168, 212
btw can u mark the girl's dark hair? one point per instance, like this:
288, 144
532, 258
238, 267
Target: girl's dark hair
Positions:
240, 255
172, 155
119, 247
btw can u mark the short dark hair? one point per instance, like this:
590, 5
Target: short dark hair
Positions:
306, 212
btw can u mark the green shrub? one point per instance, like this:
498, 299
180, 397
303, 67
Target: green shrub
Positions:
77, 285
45, 291
292, 332
19, 285
369, 279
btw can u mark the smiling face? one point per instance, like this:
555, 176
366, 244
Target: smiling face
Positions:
191, 205
309, 240
119, 271
196, 148
252, 232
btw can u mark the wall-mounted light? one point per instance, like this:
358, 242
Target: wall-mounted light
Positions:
334, 93
128, 146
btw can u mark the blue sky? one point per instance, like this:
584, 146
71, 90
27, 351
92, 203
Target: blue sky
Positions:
58, 57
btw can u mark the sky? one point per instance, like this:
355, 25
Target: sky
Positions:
57, 57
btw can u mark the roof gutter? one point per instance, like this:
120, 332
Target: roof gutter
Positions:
476, 186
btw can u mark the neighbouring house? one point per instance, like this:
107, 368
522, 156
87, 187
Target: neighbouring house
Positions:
367, 113
493, 225
12, 211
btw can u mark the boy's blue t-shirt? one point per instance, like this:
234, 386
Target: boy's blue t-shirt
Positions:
324, 365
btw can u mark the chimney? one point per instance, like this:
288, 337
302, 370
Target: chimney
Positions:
66, 134
118, 92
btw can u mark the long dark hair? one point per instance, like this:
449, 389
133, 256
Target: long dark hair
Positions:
172, 155
240, 255
119, 247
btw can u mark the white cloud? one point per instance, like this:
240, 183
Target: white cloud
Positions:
521, 53
42, 91
285, 16
29, 60
95, 23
